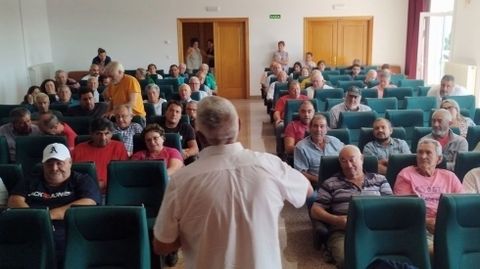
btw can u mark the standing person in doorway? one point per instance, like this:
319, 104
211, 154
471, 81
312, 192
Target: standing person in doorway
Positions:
194, 56
210, 55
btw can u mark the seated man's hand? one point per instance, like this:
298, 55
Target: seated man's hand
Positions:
430, 223
341, 222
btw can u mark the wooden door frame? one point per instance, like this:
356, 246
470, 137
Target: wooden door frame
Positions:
181, 21
307, 20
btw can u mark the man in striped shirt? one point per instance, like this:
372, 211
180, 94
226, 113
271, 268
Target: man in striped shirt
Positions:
335, 193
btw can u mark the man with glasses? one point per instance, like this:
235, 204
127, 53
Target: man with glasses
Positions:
351, 103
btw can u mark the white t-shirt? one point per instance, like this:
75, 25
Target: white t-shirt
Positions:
225, 208
457, 91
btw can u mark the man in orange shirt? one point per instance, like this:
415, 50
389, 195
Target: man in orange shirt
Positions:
123, 90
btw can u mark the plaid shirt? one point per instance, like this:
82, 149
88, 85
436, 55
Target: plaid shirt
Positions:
127, 135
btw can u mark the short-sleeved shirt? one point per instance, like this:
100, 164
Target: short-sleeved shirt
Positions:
457, 91
127, 134
307, 156
101, 156
335, 113
166, 154
282, 101
395, 146
296, 130
119, 94
455, 144
70, 134
185, 130
409, 182
335, 193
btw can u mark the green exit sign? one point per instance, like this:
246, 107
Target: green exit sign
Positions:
275, 16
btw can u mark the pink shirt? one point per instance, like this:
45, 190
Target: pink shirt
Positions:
409, 181
166, 154
282, 101
296, 130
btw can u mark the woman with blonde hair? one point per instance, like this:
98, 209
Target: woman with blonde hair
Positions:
458, 120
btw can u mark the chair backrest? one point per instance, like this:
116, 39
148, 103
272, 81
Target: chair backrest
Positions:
159, 119
406, 118
173, 140
425, 103
335, 78
331, 102
279, 87
5, 110
137, 183
380, 105
26, 239
372, 83
465, 102
411, 83
356, 120
167, 81
422, 90
4, 152
396, 78
322, 95
392, 228
84, 138
473, 136
466, 161
400, 93
366, 135
80, 124
396, 162
476, 117
106, 237
292, 106
456, 229
149, 109
29, 149
346, 84
327, 73
369, 93
342, 134
329, 166
166, 91
11, 174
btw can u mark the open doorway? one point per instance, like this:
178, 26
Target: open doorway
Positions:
230, 57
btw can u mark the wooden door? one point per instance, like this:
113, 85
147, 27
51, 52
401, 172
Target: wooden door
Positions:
231, 58
321, 40
339, 40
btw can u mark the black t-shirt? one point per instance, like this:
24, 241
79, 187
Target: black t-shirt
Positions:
185, 131
97, 112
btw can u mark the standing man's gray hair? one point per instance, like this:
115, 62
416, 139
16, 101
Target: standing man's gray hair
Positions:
217, 120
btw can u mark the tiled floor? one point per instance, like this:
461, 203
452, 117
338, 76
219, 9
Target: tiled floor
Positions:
256, 133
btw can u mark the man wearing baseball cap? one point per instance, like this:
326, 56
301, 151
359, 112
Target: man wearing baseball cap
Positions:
351, 103
57, 188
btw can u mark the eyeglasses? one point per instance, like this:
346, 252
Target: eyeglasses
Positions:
448, 107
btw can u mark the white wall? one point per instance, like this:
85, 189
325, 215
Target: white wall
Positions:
466, 36
24, 41
139, 32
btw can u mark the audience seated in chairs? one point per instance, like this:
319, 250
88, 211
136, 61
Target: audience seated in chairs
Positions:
282, 77
87, 106
458, 120
100, 149
154, 137
57, 188
191, 111
384, 82
29, 98
351, 103
195, 86
451, 143
94, 71
20, 125
182, 70
152, 72
61, 79
49, 124
209, 80
428, 182
384, 144
93, 84
124, 126
65, 96
370, 77
308, 151
446, 88
268, 76
296, 129
318, 83
309, 62
42, 105
334, 195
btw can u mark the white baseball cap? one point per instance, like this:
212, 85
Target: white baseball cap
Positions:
56, 151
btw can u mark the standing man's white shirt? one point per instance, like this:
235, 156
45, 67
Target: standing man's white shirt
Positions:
457, 91
225, 206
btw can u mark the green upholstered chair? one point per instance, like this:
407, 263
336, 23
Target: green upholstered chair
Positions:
342, 134
396, 78
159, 119
346, 84
81, 125
368, 93
425, 103
372, 83
457, 230
360, 77
406, 118
421, 90
11, 174
84, 138
26, 239
166, 91
400, 93
331, 102
327, 73
356, 120
466, 161
380, 105
137, 183
322, 95
476, 117
466, 102
473, 137
4, 152
411, 83
150, 110
292, 107
335, 78
386, 227
29, 149
168, 82
366, 135
173, 140
279, 87
396, 162
106, 237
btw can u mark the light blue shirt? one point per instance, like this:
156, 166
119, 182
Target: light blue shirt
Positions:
395, 146
306, 156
